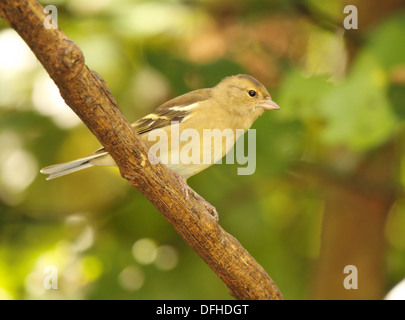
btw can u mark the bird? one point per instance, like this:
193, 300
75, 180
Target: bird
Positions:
231, 106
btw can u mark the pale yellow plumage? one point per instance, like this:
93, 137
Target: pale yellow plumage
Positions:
235, 103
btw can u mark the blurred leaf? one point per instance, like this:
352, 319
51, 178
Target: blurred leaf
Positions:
299, 96
387, 42
396, 95
357, 112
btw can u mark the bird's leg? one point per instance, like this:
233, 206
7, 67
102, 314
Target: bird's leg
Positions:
211, 209
187, 190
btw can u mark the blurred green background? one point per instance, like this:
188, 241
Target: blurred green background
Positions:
328, 189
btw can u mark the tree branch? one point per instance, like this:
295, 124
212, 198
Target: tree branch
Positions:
88, 96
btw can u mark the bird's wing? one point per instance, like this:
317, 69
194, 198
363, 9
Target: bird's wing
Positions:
176, 110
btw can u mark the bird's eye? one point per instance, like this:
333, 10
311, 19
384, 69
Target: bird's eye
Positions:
252, 93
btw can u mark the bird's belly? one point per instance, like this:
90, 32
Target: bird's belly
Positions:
193, 152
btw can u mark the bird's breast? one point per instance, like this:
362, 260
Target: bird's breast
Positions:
187, 150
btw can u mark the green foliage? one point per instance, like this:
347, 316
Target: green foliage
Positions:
87, 224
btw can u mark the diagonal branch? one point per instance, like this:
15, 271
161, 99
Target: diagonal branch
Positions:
88, 96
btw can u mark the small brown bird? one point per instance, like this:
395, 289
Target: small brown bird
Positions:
231, 106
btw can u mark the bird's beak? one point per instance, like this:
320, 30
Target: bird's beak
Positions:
268, 104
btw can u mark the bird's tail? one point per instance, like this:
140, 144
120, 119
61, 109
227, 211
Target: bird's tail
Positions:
58, 170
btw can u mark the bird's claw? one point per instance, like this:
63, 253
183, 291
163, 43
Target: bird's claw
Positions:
212, 210
188, 190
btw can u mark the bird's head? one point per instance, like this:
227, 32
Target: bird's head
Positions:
244, 95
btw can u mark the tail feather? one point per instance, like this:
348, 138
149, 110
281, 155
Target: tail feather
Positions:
61, 169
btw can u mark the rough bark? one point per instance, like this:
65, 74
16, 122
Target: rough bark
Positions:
88, 96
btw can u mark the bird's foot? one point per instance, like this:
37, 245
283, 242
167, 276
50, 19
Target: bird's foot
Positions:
187, 190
